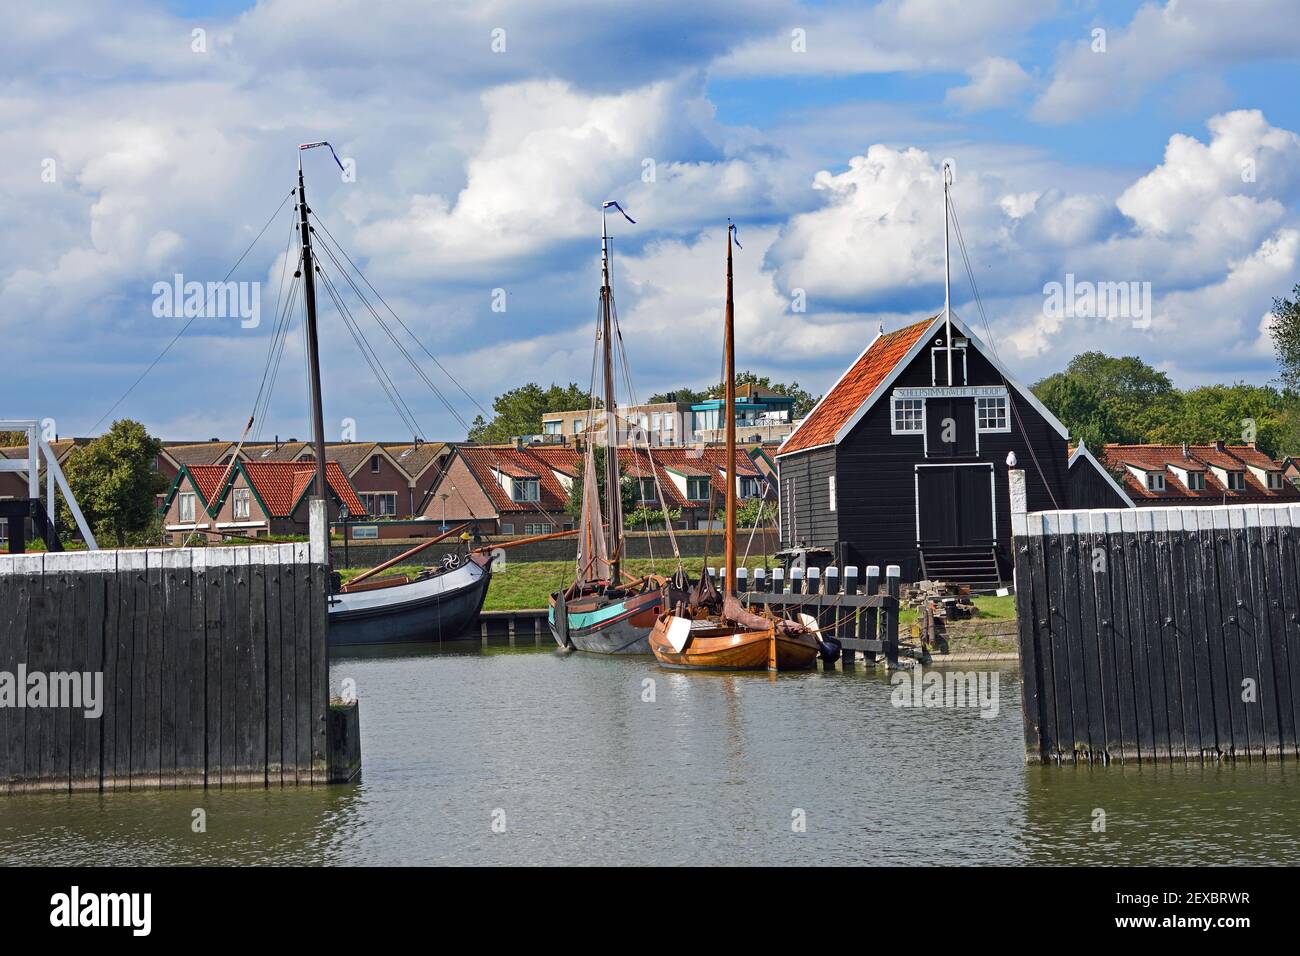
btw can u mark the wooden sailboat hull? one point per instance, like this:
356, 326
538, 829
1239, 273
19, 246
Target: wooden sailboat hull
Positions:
441, 608
599, 626
720, 646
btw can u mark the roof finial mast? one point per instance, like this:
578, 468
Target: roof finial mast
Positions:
947, 290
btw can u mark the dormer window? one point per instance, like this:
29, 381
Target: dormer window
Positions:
1155, 481
647, 489
697, 489
1275, 481
1196, 481
1236, 480
525, 489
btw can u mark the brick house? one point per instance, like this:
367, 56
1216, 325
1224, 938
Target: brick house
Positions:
1199, 474
513, 490
250, 499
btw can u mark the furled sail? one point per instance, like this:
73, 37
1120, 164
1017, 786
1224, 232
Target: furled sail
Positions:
593, 555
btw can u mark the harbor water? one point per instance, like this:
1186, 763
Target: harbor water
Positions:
525, 756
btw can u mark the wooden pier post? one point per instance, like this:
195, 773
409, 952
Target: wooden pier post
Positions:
778, 580
760, 580
846, 621
889, 630
870, 615
742, 580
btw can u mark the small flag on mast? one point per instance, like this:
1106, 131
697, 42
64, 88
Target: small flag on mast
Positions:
731, 226
612, 202
302, 146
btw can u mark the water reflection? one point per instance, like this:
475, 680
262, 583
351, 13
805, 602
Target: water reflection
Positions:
615, 761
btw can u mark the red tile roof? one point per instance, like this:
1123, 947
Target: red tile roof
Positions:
208, 479
854, 388
281, 484
541, 463
1231, 458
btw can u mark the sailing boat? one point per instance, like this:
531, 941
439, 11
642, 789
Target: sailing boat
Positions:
714, 631
605, 611
439, 603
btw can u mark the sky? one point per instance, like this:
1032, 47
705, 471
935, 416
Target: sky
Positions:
1150, 144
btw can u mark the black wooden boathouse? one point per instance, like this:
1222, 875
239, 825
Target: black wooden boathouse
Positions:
898, 465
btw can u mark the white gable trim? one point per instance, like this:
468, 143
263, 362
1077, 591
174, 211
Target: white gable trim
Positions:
788, 438
921, 342
1083, 452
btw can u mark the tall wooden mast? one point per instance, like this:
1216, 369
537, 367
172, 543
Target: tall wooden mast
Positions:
613, 497
313, 347
729, 352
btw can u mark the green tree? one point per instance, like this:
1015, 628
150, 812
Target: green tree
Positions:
688, 395
627, 488
1232, 413
642, 516
519, 411
750, 512
1081, 409
114, 482
1284, 326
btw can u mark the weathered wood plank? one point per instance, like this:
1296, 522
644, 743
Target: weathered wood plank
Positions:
1030, 639
1121, 637
1168, 603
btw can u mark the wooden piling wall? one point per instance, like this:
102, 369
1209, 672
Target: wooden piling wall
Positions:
214, 665
1159, 633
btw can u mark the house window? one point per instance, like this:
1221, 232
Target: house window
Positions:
909, 416
991, 414
374, 464
1274, 480
1155, 481
750, 488
1236, 481
242, 503
553, 428
526, 489
697, 489
647, 489
380, 504
830, 481
187, 506
1195, 481
537, 529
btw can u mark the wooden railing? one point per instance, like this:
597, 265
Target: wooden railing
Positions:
861, 619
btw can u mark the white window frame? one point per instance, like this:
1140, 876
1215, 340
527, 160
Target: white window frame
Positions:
708, 488
188, 506
519, 489
830, 483
935, 351
894, 402
1155, 481
538, 528
1236, 480
507, 527
1006, 413
641, 490
241, 503
1275, 480
1196, 481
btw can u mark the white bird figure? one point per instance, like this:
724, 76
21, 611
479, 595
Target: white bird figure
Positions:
1011, 459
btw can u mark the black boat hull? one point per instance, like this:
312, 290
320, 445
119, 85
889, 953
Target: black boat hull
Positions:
409, 613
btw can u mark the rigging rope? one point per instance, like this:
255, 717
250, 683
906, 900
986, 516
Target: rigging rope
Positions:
192, 319
988, 332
